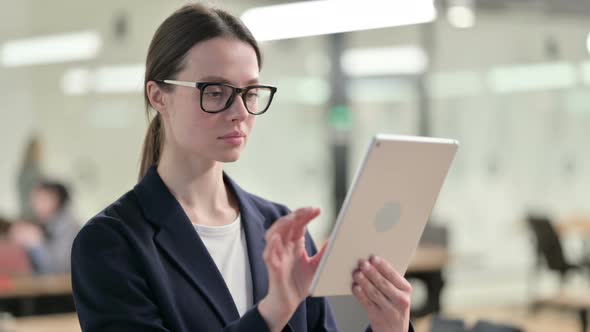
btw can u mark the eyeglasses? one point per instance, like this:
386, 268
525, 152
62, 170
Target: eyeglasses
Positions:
218, 97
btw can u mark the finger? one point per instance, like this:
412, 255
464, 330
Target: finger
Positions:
362, 298
297, 233
371, 291
380, 282
274, 252
292, 227
273, 243
317, 258
295, 228
267, 251
299, 226
385, 269
284, 224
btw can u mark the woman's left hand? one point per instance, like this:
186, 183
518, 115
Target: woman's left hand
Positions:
384, 294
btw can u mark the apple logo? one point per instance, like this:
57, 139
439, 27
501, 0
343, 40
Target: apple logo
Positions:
387, 217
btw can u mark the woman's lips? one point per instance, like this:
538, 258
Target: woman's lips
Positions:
233, 140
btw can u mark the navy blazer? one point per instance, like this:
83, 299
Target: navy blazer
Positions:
139, 265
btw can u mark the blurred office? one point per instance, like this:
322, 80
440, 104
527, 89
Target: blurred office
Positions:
510, 79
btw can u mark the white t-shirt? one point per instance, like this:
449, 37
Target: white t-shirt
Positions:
227, 245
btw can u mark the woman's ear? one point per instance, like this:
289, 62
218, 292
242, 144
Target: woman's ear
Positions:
156, 96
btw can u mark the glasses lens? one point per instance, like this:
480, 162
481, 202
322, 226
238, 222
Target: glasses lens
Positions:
215, 96
257, 99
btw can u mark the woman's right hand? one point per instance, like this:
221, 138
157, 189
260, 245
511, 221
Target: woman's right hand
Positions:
290, 269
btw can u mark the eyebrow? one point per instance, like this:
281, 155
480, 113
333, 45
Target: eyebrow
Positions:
224, 80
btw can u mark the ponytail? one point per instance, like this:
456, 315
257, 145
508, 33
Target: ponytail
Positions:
152, 145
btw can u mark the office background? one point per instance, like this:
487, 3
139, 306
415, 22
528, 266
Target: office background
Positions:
510, 79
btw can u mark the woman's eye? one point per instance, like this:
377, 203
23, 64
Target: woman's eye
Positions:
215, 94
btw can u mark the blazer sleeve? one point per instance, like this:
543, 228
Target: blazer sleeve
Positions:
410, 328
110, 293
251, 321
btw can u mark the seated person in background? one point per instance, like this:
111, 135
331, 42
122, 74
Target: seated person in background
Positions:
4, 227
14, 260
48, 244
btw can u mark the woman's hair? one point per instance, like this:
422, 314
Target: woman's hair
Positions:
188, 26
59, 189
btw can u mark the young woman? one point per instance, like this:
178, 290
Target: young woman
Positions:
187, 249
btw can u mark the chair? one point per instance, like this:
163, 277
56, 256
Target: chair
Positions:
549, 248
440, 324
485, 326
435, 235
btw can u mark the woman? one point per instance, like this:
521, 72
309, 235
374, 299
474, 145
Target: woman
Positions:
187, 249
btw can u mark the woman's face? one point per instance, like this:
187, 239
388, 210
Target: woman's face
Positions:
45, 204
216, 137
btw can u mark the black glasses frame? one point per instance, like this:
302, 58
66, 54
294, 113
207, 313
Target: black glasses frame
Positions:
235, 91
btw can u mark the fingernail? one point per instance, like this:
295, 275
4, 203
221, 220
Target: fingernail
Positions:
365, 266
375, 259
357, 289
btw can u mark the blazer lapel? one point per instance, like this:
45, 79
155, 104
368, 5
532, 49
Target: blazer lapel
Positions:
254, 229
255, 225
180, 241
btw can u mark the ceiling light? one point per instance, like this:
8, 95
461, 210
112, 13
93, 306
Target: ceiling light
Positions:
50, 49
461, 13
119, 79
106, 79
461, 16
320, 17
403, 60
76, 81
533, 77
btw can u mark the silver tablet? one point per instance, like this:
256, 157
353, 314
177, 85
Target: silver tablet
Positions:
386, 208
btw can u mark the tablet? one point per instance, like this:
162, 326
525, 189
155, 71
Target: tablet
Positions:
386, 207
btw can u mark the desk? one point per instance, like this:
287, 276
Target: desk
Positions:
24, 296
579, 303
427, 266
429, 259
48, 323
574, 225
32, 286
